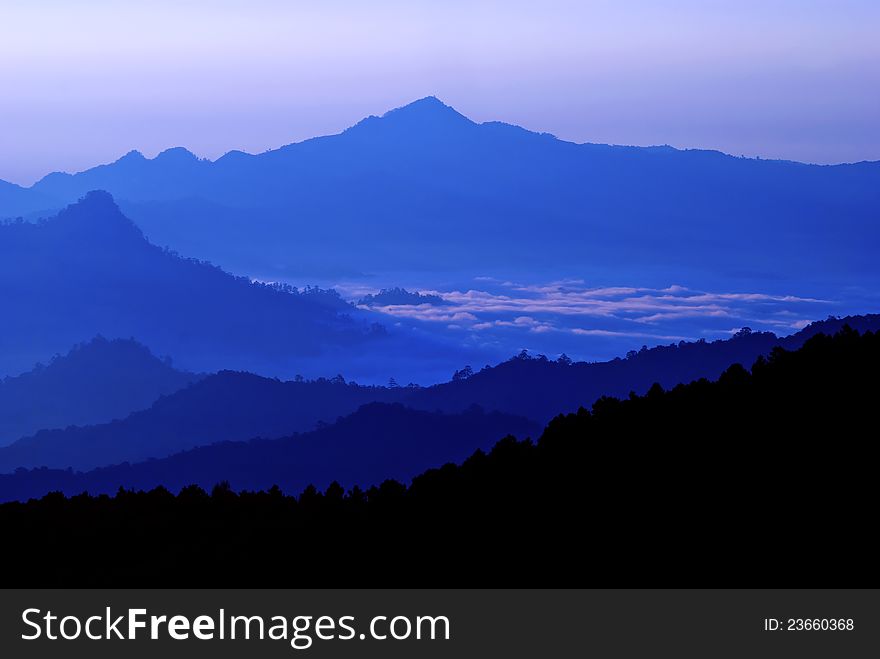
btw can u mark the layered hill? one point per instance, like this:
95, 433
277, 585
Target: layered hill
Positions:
226, 406
685, 483
234, 406
95, 382
424, 188
375, 443
89, 270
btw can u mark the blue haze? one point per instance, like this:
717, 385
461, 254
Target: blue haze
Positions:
532, 242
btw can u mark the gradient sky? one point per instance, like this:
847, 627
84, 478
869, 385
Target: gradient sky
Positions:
84, 82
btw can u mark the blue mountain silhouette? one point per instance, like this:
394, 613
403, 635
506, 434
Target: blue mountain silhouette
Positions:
375, 443
16, 200
95, 382
89, 271
400, 296
423, 187
234, 406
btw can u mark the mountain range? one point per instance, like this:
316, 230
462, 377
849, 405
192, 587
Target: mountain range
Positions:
655, 485
89, 270
375, 443
423, 188
235, 406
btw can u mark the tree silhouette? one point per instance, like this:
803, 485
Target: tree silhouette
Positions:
764, 474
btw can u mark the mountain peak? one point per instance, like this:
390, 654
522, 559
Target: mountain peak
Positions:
131, 156
428, 108
425, 103
176, 153
426, 116
97, 200
97, 210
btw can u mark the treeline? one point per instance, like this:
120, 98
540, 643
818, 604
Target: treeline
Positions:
762, 477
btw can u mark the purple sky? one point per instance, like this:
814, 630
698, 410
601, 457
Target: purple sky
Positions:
86, 81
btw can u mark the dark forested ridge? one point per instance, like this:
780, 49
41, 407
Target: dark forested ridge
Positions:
95, 382
540, 388
400, 296
377, 442
226, 406
684, 487
234, 406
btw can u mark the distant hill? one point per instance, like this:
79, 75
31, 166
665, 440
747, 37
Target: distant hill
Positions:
227, 406
373, 444
89, 271
400, 296
423, 188
16, 201
231, 406
95, 382
540, 389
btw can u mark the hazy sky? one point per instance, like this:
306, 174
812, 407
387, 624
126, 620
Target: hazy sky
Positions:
83, 82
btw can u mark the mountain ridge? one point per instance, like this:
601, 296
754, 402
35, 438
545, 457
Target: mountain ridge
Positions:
89, 270
417, 108
236, 406
466, 197
375, 442
94, 382
660, 484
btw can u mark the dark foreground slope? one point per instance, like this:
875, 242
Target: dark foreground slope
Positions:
763, 477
